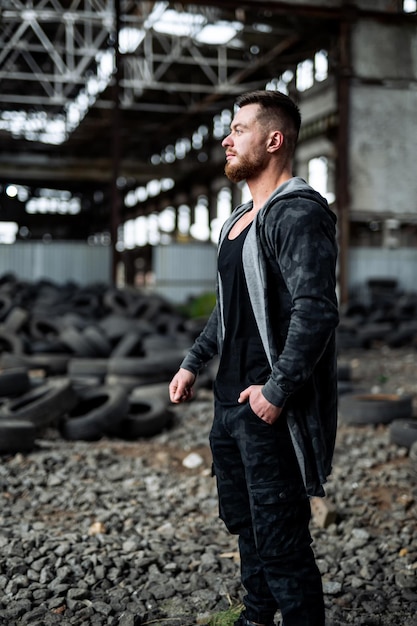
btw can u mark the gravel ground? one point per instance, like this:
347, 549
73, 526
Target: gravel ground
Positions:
117, 533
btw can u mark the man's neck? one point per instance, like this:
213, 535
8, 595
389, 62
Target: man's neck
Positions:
262, 188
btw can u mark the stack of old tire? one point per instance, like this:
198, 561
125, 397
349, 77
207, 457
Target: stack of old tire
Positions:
358, 407
378, 313
88, 361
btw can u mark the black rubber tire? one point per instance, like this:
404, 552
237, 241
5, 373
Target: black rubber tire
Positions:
14, 382
16, 436
195, 326
353, 309
116, 326
85, 303
404, 335
86, 382
154, 368
41, 405
346, 340
138, 306
10, 342
44, 328
156, 343
129, 383
370, 333
73, 319
118, 301
403, 432
6, 304
156, 390
406, 307
16, 319
77, 342
129, 345
374, 408
147, 416
98, 340
52, 364
48, 346
154, 306
169, 324
87, 367
97, 412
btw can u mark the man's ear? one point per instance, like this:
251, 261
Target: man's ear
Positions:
276, 139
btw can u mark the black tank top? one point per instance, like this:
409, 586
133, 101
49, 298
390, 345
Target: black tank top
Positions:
243, 361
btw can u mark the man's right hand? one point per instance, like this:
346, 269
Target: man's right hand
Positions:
181, 386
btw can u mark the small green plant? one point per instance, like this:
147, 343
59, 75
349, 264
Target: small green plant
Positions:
226, 618
382, 379
199, 306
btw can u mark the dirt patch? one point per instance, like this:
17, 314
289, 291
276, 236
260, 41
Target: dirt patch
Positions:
159, 455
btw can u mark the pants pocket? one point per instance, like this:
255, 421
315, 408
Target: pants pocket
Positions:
234, 507
281, 515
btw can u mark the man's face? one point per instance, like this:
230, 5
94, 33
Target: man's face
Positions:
245, 146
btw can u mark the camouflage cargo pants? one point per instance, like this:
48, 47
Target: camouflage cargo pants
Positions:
263, 500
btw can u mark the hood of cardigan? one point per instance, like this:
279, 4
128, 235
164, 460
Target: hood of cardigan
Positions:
292, 188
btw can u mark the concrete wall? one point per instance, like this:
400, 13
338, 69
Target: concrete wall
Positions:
366, 263
383, 121
184, 270
381, 147
59, 261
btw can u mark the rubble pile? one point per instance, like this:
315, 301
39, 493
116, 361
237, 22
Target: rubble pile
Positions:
108, 510
123, 533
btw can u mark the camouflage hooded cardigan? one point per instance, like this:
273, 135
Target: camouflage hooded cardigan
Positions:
290, 255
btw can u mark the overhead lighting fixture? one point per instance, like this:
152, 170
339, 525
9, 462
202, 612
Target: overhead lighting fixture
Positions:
130, 38
410, 6
54, 201
262, 28
219, 33
179, 23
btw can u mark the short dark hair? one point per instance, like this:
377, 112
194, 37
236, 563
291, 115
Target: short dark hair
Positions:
278, 106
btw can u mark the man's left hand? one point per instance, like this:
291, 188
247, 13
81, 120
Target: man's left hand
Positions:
266, 411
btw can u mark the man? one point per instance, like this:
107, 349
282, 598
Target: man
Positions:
273, 326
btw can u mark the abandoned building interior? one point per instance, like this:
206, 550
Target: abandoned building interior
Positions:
112, 114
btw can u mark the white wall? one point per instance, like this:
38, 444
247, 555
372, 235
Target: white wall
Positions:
57, 261
383, 122
398, 263
184, 270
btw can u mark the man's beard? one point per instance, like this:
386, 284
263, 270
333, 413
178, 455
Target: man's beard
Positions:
247, 167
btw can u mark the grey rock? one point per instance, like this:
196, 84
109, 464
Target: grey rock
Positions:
164, 556
128, 619
406, 579
332, 587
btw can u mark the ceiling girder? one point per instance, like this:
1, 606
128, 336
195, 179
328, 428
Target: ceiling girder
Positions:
53, 52
67, 41
169, 86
